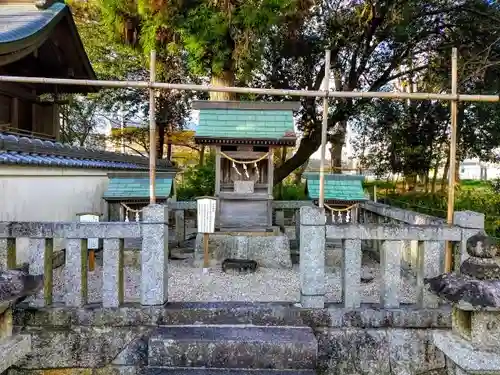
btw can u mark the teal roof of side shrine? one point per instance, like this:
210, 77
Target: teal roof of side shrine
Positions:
135, 188
237, 122
338, 187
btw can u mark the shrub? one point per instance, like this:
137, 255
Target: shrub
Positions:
290, 192
198, 181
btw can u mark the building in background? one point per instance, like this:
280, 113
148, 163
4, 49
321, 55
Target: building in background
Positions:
42, 42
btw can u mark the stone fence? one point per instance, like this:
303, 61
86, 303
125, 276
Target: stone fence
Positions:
153, 232
377, 213
390, 239
377, 226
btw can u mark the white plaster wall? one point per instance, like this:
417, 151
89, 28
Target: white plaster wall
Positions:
49, 194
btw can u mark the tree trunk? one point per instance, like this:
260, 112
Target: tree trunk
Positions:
434, 176
444, 181
299, 173
308, 145
226, 78
426, 182
202, 156
160, 140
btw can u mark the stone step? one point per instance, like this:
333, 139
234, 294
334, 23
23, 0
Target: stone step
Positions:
238, 313
220, 371
237, 347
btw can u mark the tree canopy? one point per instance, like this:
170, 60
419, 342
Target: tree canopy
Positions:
375, 45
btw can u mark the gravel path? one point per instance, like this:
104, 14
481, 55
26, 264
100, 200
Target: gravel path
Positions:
190, 284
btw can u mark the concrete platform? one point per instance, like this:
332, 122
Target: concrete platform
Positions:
235, 347
267, 249
12, 349
221, 371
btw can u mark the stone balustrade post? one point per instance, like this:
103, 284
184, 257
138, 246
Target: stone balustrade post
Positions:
180, 226
75, 272
312, 257
472, 222
113, 272
280, 218
41, 252
154, 255
7, 253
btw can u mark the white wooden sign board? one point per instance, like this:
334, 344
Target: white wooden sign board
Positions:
92, 243
206, 208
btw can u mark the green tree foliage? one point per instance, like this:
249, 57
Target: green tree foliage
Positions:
198, 180
113, 60
372, 43
219, 38
412, 138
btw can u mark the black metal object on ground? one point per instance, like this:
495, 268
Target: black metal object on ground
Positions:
242, 265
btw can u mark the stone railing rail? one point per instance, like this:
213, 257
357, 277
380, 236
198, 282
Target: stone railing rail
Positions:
279, 208
373, 212
429, 238
154, 234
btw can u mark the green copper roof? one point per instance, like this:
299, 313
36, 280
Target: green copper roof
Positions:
245, 123
121, 188
339, 187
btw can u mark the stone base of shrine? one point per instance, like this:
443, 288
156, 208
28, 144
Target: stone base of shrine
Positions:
464, 359
267, 249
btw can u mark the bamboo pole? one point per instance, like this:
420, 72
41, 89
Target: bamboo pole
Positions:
453, 155
152, 130
324, 128
251, 90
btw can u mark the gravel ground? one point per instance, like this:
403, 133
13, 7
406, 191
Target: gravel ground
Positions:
190, 284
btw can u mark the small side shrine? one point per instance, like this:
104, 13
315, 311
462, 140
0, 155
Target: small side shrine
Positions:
473, 344
244, 136
128, 193
343, 193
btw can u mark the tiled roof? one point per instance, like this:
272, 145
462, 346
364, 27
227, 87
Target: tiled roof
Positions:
338, 187
21, 21
137, 188
35, 152
23, 158
245, 124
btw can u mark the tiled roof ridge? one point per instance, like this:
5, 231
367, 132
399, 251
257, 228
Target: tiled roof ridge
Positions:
23, 145
330, 176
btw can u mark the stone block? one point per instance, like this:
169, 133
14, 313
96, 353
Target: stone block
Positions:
312, 257
244, 187
112, 273
7, 253
233, 347
372, 351
463, 354
280, 218
86, 347
75, 272
429, 265
270, 251
485, 330
353, 351
154, 255
12, 350
390, 263
469, 219
180, 227
351, 273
